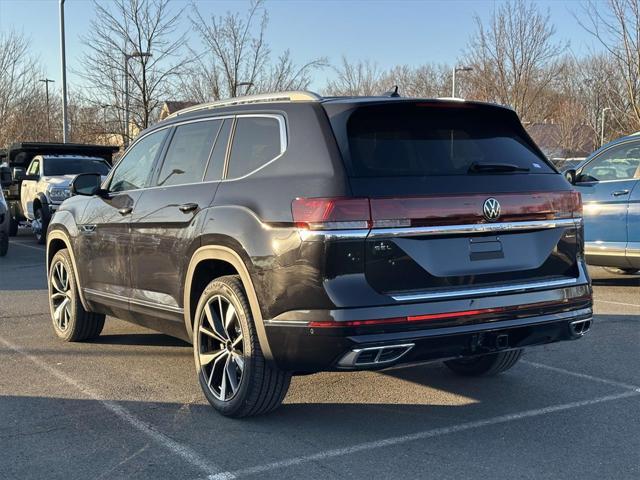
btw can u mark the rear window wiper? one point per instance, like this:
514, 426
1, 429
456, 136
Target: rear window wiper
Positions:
476, 167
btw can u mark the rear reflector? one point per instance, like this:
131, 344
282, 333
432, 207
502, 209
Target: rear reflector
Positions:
565, 302
364, 213
414, 318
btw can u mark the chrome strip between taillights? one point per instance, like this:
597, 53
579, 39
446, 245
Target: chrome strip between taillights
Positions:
439, 230
474, 228
470, 292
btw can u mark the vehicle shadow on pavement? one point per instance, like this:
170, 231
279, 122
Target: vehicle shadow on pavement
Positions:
621, 281
140, 339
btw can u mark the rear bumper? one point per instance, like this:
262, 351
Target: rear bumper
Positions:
555, 315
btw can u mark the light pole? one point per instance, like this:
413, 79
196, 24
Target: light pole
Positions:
104, 107
63, 67
127, 57
453, 78
47, 81
604, 111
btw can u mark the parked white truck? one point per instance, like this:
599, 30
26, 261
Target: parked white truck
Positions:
46, 185
39, 177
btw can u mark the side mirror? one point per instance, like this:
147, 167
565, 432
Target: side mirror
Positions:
570, 175
87, 184
18, 174
6, 179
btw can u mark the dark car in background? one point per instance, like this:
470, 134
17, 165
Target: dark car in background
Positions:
289, 234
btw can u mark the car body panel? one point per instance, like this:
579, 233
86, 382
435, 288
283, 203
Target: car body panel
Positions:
611, 213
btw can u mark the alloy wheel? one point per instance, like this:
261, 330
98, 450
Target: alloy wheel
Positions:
60, 296
221, 349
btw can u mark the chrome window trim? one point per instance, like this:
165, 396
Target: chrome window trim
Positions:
467, 292
474, 228
283, 148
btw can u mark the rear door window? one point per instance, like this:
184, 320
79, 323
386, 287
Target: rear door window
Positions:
415, 140
188, 153
256, 141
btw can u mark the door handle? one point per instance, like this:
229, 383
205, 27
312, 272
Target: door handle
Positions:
619, 193
188, 207
125, 211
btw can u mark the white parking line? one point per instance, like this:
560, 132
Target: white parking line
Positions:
182, 451
597, 300
436, 432
33, 247
613, 383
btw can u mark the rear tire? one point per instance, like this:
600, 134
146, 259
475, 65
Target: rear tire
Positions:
232, 371
13, 226
485, 365
71, 322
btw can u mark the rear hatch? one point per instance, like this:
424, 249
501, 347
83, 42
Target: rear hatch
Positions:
460, 197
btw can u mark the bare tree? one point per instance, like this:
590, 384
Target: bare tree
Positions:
617, 27
120, 31
356, 78
21, 100
514, 58
237, 58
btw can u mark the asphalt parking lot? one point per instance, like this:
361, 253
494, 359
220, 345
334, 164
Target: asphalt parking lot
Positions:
128, 406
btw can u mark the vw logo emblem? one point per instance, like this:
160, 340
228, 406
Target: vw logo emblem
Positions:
491, 209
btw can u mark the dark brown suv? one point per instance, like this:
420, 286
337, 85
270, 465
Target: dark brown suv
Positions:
290, 234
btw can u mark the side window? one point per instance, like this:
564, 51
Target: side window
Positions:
34, 169
216, 163
255, 142
187, 155
617, 163
133, 170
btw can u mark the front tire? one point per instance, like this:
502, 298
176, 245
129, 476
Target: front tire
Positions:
71, 322
485, 365
38, 226
13, 226
232, 371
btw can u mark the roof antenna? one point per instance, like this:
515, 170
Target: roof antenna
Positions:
392, 93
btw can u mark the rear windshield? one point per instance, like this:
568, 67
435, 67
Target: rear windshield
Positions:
72, 166
417, 140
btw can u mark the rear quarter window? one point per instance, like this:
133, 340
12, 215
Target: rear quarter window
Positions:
256, 141
415, 140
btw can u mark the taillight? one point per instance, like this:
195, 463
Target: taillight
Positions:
331, 213
362, 213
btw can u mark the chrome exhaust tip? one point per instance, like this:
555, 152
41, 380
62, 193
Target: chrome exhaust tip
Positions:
580, 327
371, 356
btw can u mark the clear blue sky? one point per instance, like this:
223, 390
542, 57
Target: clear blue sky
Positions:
387, 32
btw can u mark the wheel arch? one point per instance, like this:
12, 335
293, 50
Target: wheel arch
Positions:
219, 260
56, 241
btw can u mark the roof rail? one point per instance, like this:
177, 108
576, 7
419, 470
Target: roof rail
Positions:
292, 96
